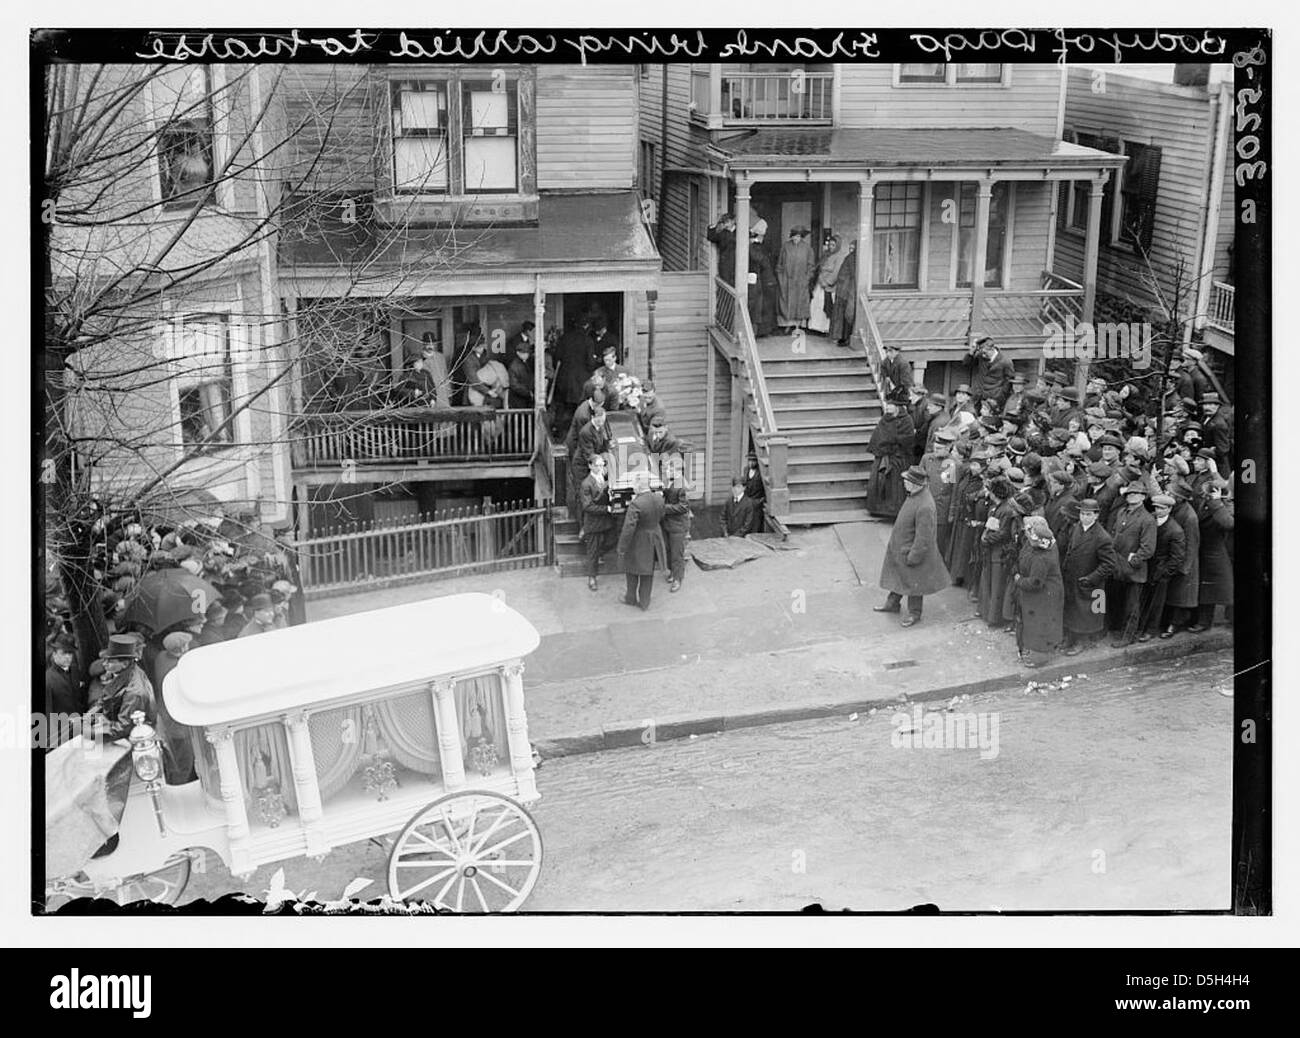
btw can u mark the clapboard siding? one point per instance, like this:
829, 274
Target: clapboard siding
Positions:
1227, 215
681, 358
1180, 122
868, 97
333, 113
586, 126
680, 150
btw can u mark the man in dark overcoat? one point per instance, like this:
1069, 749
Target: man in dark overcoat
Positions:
598, 527
738, 513
1133, 529
1171, 550
913, 565
1087, 561
641, 544
1217, 521
1184, 586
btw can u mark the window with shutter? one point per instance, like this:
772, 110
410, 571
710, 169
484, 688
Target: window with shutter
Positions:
1138, 191
1082, 190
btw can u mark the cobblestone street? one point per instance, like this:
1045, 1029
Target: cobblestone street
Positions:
1113, 793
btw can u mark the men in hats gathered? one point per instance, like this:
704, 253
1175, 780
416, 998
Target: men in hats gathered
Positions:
1133, 529
1087, 562
119, 691
1216, 430
599, 531
895, 372
756, 492
891, 446
263, 616
738, 512
992, 374
913, 566
794, 273
1184, 586
1165, 564
1217, 521
641, 544
1040, 597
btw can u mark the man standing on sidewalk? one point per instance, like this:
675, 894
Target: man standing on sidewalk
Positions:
1087, 560
641, 544
1133, 530
597, 523
913, 565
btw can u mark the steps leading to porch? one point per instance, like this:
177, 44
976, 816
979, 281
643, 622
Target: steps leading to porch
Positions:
570, 556
826, 403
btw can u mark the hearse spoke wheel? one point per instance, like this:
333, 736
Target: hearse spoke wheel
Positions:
467, 852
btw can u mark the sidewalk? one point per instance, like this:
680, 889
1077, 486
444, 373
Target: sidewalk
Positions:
790, 635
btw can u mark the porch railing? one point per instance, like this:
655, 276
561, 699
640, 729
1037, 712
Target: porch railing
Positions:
793, 96
1223, 307
455, 542
731, 319
406, 435
869, 332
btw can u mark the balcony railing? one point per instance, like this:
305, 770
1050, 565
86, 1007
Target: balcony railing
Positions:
413, 435
796, 96
1223, 307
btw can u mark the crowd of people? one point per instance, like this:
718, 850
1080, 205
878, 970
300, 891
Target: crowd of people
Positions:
1063, 516
799, 287
135, 565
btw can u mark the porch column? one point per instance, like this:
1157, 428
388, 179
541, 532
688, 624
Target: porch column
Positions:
866, 221
1091, 244
539, 347
716, 114
742, 242
983, 198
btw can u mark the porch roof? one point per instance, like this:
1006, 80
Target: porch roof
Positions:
573, 233
908, 148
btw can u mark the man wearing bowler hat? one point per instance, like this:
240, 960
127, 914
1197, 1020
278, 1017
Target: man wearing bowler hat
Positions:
913, 566
993, 372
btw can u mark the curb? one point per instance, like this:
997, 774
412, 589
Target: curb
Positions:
680, 726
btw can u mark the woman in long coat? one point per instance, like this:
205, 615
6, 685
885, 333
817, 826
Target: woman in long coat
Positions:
1216, 526
891, 446
823, 300
844, 311
1184, 587
763, 289
793, 273
994, 544
1040, 594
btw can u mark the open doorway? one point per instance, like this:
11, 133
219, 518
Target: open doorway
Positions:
599, 308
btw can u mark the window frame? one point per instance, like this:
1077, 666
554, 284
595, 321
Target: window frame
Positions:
396, 87
237, 431
1009, 228
218, 97
1109, 230
521, 128
950, 78
1123, 237
922, 223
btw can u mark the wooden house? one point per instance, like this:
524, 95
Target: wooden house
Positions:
951, 173
1168, 219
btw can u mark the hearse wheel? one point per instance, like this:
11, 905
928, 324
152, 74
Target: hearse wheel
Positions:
472, 851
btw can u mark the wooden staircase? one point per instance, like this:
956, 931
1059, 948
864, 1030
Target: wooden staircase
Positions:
826, 404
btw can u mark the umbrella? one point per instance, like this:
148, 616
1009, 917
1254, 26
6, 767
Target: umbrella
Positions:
166, 597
